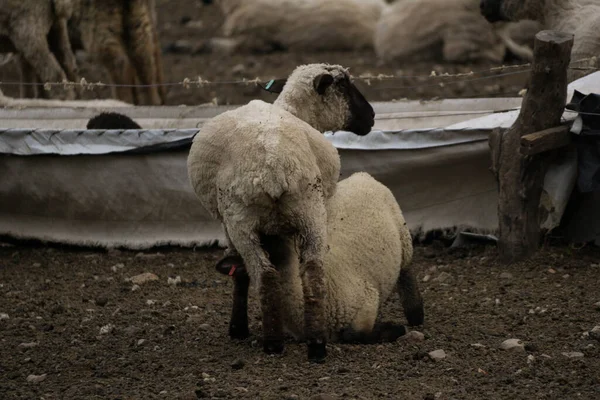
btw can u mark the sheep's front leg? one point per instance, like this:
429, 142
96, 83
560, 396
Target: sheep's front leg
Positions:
61, 46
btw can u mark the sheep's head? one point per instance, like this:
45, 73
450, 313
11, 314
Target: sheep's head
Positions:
492, 10
324, 96
112, 120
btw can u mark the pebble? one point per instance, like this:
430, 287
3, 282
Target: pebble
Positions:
443, 277
117, 267
204, 327
595, 332
238, 364
426, 278
149, 256
36, 378
506, 275
478, 345
37, 265
195, 24
512, 345
106, 329
163, 392
150, 302
141, 342
573, 354
413, 337
135, 287
551, 271
530, 359
143, 278
322, 396
597, 305
29, 345
4, 316
101, 301
437, 355
174, 281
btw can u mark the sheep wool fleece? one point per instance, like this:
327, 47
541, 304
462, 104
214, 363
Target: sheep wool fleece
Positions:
369, 243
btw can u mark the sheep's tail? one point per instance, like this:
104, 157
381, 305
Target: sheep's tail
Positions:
412, 301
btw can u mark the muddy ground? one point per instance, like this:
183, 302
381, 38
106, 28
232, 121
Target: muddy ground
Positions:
70, 317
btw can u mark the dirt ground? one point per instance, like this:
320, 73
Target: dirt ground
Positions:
70, 317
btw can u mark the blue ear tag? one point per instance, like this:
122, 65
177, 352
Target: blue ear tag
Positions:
269, 84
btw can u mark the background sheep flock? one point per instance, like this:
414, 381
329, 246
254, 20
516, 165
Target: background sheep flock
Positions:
321, 292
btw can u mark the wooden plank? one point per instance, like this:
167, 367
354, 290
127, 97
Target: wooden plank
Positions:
542, 141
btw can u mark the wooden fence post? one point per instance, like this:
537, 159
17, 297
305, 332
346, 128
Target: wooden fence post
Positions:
521, 177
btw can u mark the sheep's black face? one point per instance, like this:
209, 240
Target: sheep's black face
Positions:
362, 116
492, 10
112, 120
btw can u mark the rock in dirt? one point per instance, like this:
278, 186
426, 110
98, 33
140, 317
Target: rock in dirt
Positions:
412, 337
322, 396
174, 281
143, 278
36, 378
530, 359
426, 278
106, 329
506, 275
597, 306
595, 332
135, 288
573, 354
437, 355
29, 345
4, 316
149, 256
512, 345
101, 301
238, 364
443, 277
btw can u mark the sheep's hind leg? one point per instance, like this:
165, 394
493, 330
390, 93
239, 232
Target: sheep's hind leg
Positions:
234, 267
247, 242
313, 284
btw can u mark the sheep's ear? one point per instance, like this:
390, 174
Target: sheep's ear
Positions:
229, 265
275, 85
322, 82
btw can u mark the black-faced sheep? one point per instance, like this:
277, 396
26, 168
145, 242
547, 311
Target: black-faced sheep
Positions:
578, 17
266, 169
315, 25
38, 32
370, 251
447, 30
112, 120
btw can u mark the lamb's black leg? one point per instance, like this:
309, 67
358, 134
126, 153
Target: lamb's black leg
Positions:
382, 332
234, 267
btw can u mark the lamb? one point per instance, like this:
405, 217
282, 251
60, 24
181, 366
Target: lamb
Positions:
578, 17
266, 169
447, 30
314, 25
38, 33
370, 251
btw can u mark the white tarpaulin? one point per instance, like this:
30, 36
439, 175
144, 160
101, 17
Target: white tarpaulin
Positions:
104, 194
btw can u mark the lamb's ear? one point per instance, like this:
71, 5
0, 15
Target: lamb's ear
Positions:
322, 82
274, 85
229, 265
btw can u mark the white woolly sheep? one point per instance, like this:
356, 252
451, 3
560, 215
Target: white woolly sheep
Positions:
266, 169
38, 32
447, 30
578, 17
315, 25
370, 251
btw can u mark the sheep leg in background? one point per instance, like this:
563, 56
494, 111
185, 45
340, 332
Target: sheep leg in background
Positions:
313, 234
34, 48
234, 266
28, 77
412, 301
60, 45
140, 33
247, 242
160, 74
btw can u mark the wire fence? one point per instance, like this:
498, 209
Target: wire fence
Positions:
368, 78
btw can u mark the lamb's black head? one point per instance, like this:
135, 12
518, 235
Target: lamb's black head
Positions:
112, 120
324, 96
492, 10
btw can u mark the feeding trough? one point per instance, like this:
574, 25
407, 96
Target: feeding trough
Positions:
63, 183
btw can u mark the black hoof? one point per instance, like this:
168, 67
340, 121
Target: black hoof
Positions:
273, 346
239, 333
317, 352
415, 317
